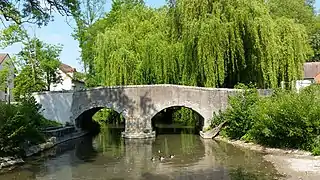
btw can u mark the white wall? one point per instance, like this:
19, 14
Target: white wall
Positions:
10, 83
303, 83
2, 93
56, 106
66, 84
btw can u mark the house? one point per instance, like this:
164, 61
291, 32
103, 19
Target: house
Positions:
311, 75
68, 81
6, 92
312, 71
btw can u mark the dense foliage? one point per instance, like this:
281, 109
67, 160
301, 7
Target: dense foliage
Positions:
302, 12
286, 119
39, 63
216, 44
20, 126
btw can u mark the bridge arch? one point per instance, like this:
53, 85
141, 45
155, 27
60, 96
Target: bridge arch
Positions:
205, 113
163, 107
86, 112
200, 119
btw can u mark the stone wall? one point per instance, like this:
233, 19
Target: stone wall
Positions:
56, 105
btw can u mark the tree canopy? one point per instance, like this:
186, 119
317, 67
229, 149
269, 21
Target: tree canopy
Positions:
204, 43
16, 13
39, 63
35, 11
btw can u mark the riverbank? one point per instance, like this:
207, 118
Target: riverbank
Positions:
293, 164
8, 162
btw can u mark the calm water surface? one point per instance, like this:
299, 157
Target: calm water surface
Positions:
109, 157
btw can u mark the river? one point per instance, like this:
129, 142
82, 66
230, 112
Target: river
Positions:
109, 157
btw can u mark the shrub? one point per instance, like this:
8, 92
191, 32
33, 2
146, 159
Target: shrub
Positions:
241, 113
286, 119
20, 124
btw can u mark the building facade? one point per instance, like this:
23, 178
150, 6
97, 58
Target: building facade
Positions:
311, 75
7, 65
68, 80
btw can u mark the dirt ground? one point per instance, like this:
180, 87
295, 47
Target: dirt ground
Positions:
296, 168
294, 164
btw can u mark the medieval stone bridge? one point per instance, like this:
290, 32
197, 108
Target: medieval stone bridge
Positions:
138, 104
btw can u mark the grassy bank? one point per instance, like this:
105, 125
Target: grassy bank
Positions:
285, 120
20, 127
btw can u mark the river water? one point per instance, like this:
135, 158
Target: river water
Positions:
109, 157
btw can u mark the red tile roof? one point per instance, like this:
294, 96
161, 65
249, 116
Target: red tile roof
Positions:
311, 69
3, 57
66, 68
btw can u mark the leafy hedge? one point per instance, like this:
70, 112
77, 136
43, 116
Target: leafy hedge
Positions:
286, 119
20, 126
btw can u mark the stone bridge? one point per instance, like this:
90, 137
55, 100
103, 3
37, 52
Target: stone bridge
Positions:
137, 103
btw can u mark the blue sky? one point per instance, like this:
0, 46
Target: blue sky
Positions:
59, 31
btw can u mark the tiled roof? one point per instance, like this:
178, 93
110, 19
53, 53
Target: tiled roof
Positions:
311, 69
66, 68
3, 57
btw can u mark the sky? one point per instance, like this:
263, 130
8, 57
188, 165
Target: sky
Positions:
59, 32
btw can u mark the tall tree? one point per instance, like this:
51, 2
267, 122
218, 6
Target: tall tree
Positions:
39, 67
90, 12
315, 44
303, 12
91, 20
204, 43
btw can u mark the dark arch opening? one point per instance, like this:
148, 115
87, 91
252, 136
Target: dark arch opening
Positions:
177, 120
94, 119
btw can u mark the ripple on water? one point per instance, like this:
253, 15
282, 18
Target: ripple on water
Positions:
110, 157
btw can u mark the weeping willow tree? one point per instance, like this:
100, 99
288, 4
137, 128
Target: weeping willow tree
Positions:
136, 50
198, 42
203, 43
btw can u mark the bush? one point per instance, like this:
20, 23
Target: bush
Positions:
241, 113
20, 125
45, 123
286, 119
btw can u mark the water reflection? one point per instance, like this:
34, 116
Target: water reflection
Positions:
108, 156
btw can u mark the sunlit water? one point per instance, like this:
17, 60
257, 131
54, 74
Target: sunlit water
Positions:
109, 157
